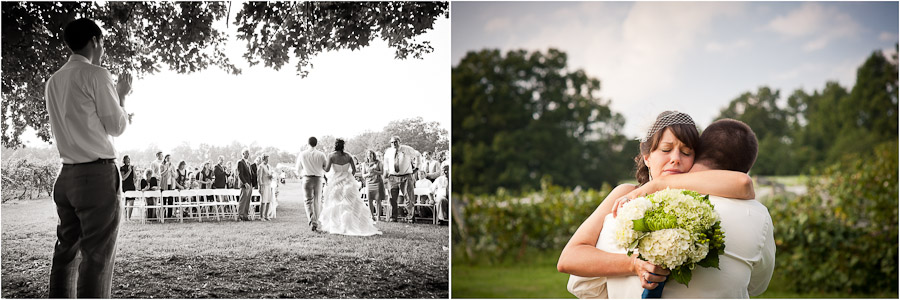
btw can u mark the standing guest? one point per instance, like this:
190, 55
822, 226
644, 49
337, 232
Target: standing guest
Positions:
374, 183
156, 166
266, 189
243, 171
166, 171
229, 173
254, 169
205, 176
127, 171
399, 167
85, 108
181, 176
441, 191
432, 166
311, 167
221, 176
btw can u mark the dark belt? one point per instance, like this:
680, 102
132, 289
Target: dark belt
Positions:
311, 176
399, 175
99, 161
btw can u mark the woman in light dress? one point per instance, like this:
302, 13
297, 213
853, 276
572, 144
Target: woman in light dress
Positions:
374, 183
343, 211
266, 190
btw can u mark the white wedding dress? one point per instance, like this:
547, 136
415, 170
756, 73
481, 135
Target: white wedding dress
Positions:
343, 212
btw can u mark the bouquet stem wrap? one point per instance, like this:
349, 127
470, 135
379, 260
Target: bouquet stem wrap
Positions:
654, 293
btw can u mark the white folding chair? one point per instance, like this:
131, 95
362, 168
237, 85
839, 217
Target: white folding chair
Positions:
157, 207
430, 203
255, 203
171, 207
206, 200
187, 202
137, 204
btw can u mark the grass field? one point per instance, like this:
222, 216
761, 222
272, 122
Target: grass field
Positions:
229, 259
537, 278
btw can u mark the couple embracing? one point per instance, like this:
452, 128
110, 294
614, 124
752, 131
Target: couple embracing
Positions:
673, 154
341, 211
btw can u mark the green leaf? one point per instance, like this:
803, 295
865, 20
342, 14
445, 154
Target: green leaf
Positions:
710, 261
681, 274
640, 225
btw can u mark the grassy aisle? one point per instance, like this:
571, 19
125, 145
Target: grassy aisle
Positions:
229, 259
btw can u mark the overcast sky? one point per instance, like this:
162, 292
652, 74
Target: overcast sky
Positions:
346, 93
693, 57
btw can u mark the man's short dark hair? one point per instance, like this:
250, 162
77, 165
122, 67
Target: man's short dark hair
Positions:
79, 32
313, 141
728, 144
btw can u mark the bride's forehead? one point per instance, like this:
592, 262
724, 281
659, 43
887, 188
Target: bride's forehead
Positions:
669, 137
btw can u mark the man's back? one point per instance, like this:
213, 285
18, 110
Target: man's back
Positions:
746, 267
313, 162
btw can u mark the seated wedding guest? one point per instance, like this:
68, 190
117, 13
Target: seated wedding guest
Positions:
441, 191
127, 171
220, 175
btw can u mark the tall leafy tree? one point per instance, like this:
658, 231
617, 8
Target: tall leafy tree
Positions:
522, 117
145, 37
140, 37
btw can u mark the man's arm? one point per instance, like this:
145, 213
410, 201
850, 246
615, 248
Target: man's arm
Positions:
298, 166
109, 105
722, 183
762, 271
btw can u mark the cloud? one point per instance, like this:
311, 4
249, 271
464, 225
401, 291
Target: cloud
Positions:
716, 47
885, 36
817, 24
498, 24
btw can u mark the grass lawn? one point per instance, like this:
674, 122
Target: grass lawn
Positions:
230, 259
538, 278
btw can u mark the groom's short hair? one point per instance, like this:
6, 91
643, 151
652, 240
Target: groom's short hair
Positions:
78, 33
728, 144
313, 141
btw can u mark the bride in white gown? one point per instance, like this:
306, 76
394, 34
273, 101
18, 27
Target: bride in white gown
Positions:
343, 211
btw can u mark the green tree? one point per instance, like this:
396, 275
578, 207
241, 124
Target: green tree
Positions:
276, 31
416, 133
524, 116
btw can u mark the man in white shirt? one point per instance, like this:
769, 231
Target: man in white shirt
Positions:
311, 167
85, 107
399, 167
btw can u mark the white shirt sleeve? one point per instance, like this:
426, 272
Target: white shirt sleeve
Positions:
762, 271
112, 116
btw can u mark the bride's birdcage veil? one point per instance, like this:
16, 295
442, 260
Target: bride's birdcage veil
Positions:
666, 119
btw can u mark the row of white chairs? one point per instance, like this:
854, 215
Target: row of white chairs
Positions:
188, 204
422, 189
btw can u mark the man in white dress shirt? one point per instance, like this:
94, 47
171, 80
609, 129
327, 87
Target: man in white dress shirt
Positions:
311, 167
749, 260
156, 166
85, 106
399, 167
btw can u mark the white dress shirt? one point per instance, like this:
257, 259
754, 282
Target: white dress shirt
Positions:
156, 167
407, 157
83, 106
744, 270
312, 162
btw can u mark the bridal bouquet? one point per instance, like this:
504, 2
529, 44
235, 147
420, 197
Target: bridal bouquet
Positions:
674, 229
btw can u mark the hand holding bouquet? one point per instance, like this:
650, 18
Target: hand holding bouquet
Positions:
674, 229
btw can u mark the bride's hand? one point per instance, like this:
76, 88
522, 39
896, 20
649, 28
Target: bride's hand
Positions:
645, 271
619, 202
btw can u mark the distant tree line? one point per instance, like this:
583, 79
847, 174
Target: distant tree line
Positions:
522, 117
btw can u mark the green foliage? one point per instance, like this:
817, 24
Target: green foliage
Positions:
842, 235
812, 130
276, 30
522, 116
495, 228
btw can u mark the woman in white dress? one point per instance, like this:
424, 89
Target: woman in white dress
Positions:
343, 211
266, 192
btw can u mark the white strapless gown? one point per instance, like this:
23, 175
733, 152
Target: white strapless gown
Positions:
343, 212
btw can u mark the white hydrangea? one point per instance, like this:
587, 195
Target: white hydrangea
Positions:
692, 215
667, 248
629, 212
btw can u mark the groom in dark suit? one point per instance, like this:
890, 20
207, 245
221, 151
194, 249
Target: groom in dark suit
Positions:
246, 187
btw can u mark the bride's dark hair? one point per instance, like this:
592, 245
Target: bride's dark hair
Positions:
686, 133
339, 145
